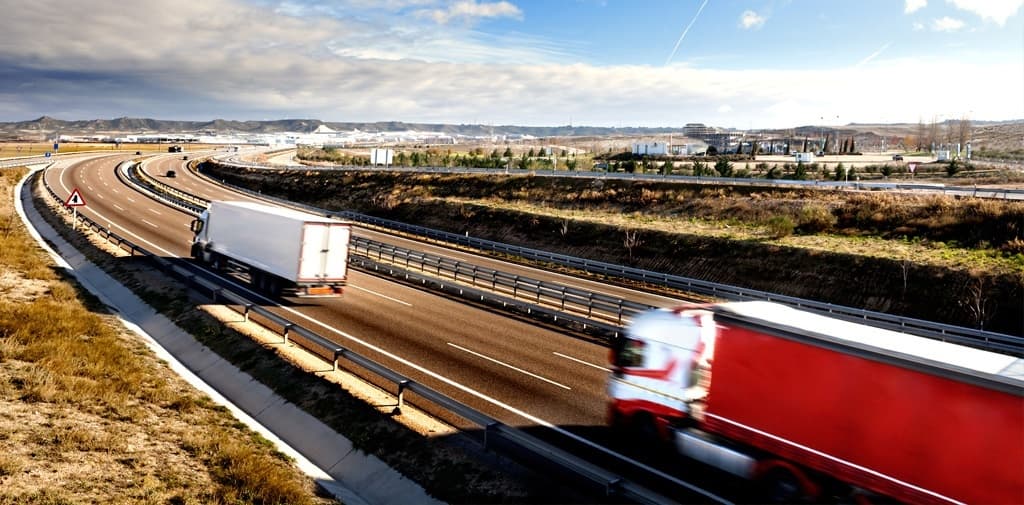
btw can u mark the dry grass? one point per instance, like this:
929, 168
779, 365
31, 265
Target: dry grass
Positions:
89, 415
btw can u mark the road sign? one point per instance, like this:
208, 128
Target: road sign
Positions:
75, 200
47, 154
56, 146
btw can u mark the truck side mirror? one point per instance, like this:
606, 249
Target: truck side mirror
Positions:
197, 225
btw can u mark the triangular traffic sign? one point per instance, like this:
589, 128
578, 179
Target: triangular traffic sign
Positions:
75, 200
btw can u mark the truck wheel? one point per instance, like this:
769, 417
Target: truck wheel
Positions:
780, 486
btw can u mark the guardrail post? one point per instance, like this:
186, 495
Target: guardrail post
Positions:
287, 327
620, 311
245, 315
401, 397
563, 298
487, 431
337, 353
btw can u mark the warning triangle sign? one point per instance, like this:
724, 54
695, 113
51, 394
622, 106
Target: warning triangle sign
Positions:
75, 200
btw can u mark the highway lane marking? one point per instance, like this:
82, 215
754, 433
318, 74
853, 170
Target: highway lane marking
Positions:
130, 199
560, 355
151, 224
502, 363
154, 211
118, 207
396, 300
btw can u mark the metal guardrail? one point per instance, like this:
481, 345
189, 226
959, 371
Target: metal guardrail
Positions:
612, 483
561, 304
581, 306
987, 340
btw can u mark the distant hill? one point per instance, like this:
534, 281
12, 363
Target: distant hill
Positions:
52, 126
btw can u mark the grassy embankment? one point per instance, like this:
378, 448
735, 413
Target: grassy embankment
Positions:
959, 261
89, 415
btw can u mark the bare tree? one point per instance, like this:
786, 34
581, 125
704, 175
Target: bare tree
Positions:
920, 134
964, 132
631, 241
933, 133
564, 228
905, 270
978, 302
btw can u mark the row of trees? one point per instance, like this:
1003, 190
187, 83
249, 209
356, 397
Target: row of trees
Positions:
949, 132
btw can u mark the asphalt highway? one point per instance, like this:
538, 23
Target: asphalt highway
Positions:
520, 373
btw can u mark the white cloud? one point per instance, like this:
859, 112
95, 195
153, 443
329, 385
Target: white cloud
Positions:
947, 24
750, 19
917, 26
470, 10
911, 6
997, 11
233, 60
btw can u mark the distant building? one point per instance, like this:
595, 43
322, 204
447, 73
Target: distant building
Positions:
697, 130
650, 148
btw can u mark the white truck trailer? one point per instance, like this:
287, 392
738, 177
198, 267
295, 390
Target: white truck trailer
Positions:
284, 251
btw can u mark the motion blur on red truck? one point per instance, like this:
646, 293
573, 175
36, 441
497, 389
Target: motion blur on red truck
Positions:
815, 408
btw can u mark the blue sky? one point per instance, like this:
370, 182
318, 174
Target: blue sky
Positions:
744, 64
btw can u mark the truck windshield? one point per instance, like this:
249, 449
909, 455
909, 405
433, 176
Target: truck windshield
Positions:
629, 353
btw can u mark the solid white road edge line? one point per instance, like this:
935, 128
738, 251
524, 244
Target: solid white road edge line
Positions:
502, 363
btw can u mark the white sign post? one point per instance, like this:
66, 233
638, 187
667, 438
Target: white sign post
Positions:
75, 201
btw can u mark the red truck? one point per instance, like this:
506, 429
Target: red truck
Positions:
815, 408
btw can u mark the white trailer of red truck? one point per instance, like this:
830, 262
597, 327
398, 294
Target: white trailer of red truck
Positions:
282, 250
818, 408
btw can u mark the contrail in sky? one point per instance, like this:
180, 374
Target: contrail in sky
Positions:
681, 37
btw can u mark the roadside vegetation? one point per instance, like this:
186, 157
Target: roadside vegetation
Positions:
917, 255
89, 415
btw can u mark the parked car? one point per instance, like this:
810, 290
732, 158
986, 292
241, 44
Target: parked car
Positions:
897, 157
170, 173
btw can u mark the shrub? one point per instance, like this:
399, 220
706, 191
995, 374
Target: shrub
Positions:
952, 168
780, 226
815, 218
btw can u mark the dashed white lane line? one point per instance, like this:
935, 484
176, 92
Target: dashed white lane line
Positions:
154, 211
502, 363
560, 355
151, 224
118, 207
396, 300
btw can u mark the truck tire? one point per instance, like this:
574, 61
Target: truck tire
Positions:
779, 485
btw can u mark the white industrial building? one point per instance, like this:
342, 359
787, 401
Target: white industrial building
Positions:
650, 148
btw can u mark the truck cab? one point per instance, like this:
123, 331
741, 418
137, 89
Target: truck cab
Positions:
199, 238
659, 369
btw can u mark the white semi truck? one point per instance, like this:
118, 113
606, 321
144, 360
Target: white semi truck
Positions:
284, 251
